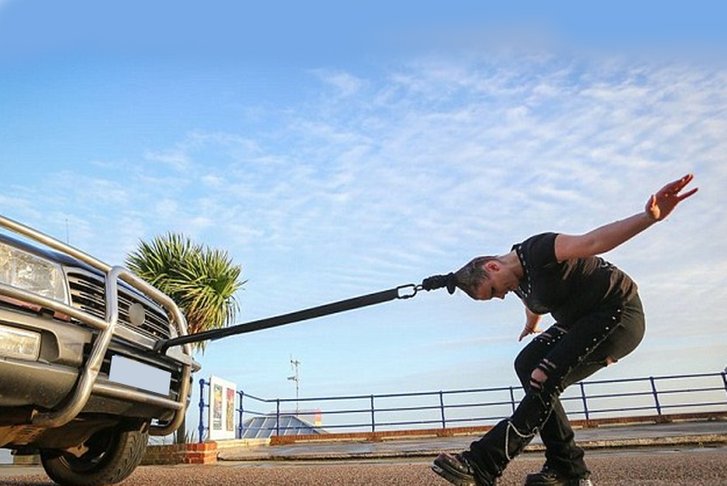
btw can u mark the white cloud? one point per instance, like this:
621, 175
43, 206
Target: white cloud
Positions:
175, 159
345, 84
167, 207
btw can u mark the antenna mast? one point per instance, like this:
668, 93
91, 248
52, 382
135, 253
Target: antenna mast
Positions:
294, 364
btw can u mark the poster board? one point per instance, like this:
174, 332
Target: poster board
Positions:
222, 409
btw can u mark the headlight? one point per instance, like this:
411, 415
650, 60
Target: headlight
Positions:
26, 271
18, 343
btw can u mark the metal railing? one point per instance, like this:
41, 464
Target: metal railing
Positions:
630, 397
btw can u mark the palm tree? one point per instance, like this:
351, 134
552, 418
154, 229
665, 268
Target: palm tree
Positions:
201, 281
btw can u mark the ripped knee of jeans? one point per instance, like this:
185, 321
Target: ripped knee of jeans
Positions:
540, 374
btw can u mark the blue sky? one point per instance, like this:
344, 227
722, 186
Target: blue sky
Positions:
336, 152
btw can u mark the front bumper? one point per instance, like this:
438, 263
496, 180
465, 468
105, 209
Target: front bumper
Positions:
69, 371
43, 385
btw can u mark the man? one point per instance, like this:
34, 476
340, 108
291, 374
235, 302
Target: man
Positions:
599, 320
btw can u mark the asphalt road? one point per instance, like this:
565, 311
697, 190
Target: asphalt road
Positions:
667, 466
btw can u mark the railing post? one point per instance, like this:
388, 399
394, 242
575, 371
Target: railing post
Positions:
200, 428
512, 399
583, 397
724, 379
241, 410
656, 395
277, 417
373, 415
441, 408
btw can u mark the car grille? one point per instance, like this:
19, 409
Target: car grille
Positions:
88, 294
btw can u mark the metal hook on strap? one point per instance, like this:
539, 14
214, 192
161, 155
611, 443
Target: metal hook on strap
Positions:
411, 288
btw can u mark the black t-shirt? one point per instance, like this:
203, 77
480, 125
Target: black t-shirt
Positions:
570, 289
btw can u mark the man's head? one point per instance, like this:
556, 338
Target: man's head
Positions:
486, 277
483, 278
470, 277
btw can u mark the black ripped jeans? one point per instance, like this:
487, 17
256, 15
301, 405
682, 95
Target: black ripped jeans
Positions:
566, 356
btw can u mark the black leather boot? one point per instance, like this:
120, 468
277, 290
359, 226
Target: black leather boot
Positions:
551, 477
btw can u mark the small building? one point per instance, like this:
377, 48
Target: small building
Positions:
266, 426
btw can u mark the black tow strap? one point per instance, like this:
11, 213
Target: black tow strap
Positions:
402, 292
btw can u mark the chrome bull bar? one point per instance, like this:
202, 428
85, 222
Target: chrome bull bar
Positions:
87, 384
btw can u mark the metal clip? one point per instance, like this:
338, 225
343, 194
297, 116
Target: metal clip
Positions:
411, 287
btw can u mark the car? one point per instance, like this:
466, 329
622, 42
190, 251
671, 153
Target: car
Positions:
83, 380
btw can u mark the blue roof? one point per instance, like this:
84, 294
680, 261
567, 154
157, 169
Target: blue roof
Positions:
266, 426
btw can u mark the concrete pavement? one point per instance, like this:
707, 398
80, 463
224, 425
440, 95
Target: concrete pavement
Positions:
708, 433
667, 458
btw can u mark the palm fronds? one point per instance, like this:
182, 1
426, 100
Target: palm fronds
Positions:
201, 280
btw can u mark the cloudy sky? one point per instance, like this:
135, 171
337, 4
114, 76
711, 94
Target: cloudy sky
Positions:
337, 153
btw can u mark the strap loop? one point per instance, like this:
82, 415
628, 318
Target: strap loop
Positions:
439, 281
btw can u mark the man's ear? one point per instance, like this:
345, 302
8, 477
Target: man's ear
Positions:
492, 266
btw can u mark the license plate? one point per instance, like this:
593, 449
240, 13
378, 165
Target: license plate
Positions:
140, 375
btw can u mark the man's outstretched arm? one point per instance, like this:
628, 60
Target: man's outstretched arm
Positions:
608, 237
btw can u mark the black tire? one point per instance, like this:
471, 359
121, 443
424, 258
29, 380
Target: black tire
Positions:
111, 457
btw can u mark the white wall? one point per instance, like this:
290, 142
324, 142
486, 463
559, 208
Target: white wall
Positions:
5, 457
